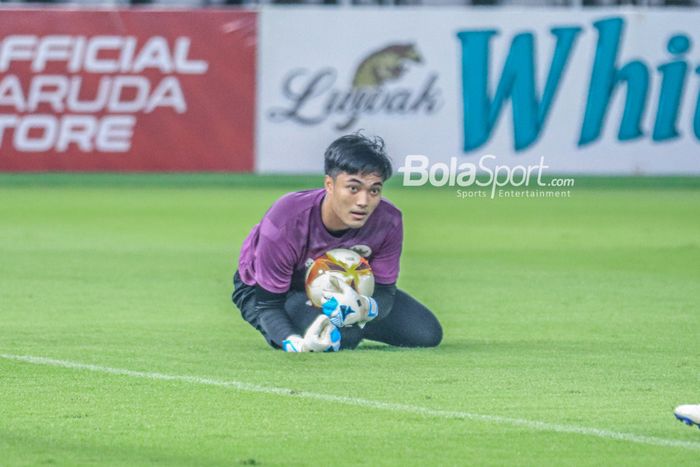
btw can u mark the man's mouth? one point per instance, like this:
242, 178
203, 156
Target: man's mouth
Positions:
358, 215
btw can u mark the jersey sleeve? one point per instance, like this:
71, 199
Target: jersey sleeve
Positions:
275, 257
385, 262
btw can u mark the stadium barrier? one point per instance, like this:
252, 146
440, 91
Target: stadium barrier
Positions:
130, 90
600, 92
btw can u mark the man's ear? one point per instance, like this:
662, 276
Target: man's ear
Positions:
328, 184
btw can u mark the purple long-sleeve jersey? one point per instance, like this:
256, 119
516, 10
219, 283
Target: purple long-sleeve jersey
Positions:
291, 235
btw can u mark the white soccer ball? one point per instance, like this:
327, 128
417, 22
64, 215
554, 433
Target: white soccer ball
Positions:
343, 264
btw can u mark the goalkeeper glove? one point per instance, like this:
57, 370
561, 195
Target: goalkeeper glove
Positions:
321, 336
345, 307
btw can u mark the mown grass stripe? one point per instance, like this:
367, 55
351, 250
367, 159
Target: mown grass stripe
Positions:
366, 403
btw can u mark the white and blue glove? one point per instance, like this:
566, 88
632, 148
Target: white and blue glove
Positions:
321, 336
345, 307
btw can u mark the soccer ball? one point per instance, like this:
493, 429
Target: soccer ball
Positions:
343, 264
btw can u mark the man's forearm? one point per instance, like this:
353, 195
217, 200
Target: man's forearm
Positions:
271, 315
384, 295
276, 324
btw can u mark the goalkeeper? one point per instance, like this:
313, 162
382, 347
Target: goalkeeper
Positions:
348, 212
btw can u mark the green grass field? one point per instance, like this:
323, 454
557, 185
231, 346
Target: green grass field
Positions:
575, 320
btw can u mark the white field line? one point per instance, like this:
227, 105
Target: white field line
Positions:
367, 403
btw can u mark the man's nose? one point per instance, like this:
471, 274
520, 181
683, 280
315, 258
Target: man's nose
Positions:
361, 199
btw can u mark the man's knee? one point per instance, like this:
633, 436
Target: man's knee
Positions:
425, 329
428, 335
433, 335
417, 325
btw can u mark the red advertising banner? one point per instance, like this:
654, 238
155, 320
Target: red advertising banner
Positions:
127, 90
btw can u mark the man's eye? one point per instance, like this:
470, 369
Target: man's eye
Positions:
375, 191
354, 189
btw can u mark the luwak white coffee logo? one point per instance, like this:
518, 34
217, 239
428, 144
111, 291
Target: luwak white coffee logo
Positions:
314, 98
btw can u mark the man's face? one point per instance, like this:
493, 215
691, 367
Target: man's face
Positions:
351, 199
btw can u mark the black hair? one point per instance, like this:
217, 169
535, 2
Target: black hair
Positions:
357, 154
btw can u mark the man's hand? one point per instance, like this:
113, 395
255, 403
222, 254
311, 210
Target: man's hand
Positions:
321, 336
345, 307
294, 344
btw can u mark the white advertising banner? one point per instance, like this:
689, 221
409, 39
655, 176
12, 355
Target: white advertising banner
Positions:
592, 91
